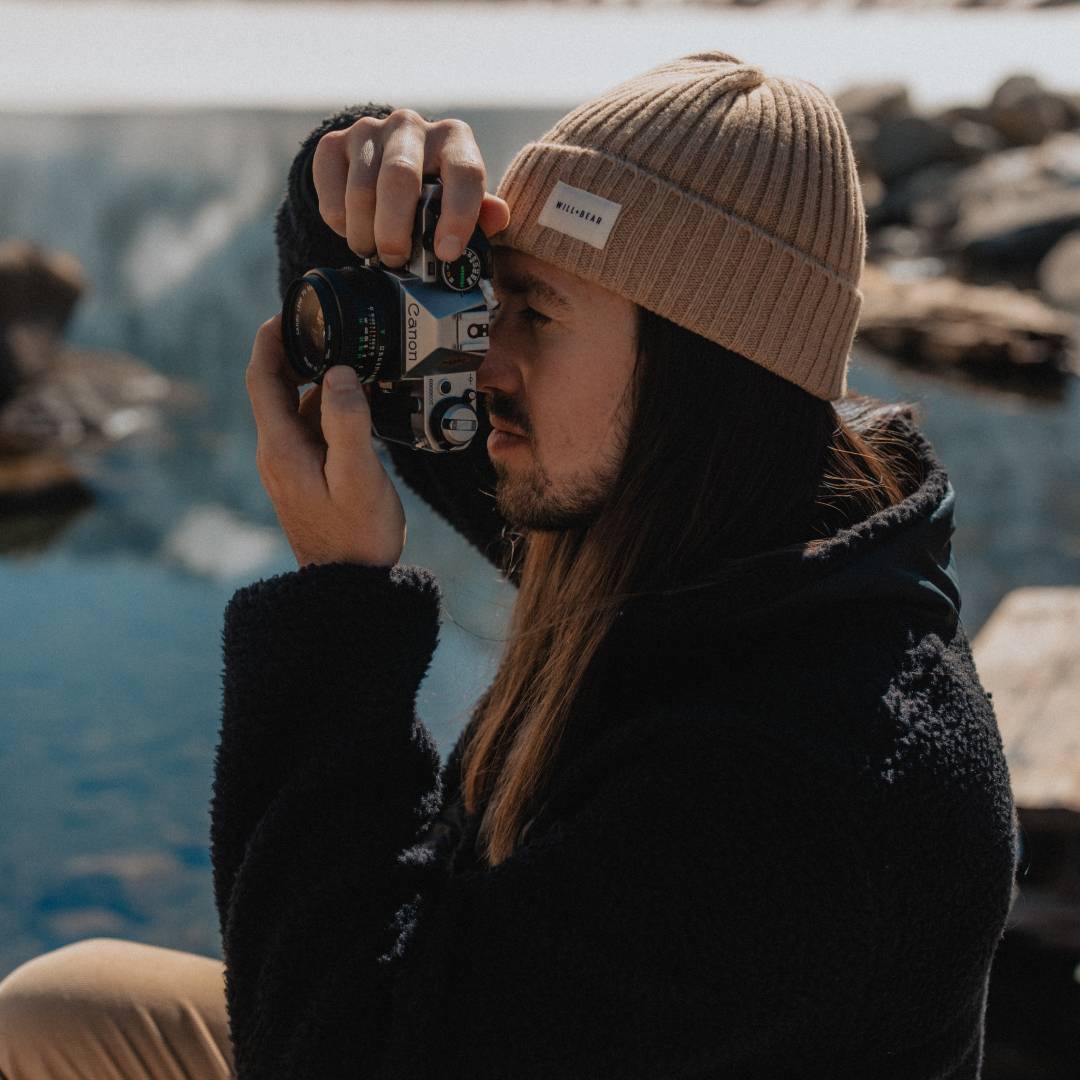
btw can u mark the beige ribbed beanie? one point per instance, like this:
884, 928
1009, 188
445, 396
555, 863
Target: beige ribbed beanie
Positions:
721, 198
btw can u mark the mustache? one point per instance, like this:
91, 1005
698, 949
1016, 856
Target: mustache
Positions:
505, 408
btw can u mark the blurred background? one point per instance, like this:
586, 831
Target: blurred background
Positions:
143, 153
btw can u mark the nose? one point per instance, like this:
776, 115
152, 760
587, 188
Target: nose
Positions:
497, 371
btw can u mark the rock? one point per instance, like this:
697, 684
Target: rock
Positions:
37, 285
54, 398
10, 376
899, 240
909, 143
873, 193
992, 333
1026, 656
1026, 113
975, 137
1059, 272
39, 480
88, 398
865, 107
924, 199
40, 496
1014, 206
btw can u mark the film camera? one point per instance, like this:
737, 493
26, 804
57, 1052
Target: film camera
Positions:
418, 333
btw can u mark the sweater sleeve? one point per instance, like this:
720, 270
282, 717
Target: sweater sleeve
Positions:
458, 485
689, 910
323, 774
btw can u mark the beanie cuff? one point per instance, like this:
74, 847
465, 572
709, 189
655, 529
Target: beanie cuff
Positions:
692, 262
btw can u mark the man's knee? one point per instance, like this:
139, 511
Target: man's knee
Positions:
48, 995
43, 995
117, 1008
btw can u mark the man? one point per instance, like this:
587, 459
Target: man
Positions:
715, 815
735, 804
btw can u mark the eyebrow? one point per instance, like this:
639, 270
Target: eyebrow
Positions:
518, 284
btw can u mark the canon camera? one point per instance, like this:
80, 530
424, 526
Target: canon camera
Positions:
417, 334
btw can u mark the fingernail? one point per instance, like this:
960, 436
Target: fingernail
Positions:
341, 377
449, 248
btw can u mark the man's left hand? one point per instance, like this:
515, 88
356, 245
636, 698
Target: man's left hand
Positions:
316, 459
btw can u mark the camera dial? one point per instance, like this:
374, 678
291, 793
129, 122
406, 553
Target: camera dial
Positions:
464, 273
454, 422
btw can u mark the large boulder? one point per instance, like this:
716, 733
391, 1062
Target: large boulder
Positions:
55, 398
88, 398
38, 292
909, 143
1012, 207
865, 107
994, 334
38, 286
1026, 112
923, 199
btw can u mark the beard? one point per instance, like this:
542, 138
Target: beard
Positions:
528, 498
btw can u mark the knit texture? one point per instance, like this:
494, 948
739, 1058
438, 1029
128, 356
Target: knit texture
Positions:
740, 215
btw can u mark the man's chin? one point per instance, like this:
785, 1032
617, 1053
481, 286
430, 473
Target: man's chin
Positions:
527, 508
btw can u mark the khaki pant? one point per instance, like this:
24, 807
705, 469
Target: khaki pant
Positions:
104, 1009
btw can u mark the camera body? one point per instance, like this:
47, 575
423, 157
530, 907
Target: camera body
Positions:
417, 333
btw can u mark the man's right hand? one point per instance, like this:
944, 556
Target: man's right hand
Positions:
368, 179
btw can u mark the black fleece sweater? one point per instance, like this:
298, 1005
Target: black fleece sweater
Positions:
780, 843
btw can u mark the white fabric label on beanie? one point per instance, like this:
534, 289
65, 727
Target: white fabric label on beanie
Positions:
579, 214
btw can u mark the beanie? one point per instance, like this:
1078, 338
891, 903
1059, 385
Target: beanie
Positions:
716, 196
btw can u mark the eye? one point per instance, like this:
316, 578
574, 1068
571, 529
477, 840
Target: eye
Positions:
528, 315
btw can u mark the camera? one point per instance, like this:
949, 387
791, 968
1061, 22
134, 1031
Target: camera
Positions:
417, 334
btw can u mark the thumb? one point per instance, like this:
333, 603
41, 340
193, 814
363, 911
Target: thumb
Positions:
494, 215
346, 424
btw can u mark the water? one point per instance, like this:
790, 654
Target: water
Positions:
110, 648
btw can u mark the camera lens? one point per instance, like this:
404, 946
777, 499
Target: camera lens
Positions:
347, 316
312, 321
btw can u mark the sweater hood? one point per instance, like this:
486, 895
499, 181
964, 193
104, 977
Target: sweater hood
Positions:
899, 559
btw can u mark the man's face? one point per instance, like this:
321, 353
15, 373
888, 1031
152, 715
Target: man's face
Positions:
557, 374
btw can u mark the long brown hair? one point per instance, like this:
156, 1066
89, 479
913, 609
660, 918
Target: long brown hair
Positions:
723, 459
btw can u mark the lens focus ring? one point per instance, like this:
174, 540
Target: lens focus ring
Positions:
346, 316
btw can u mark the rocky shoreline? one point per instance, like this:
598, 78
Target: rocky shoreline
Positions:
973, 215
58, 401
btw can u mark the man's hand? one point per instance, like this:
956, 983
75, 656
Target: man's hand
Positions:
317, 461
368, 176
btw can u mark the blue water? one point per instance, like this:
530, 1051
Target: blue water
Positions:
110, 642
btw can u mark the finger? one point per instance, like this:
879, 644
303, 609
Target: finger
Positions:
346, 426
456, 158
365, 159
329, 170
274, 396
494, 215
310, 412
398, 186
